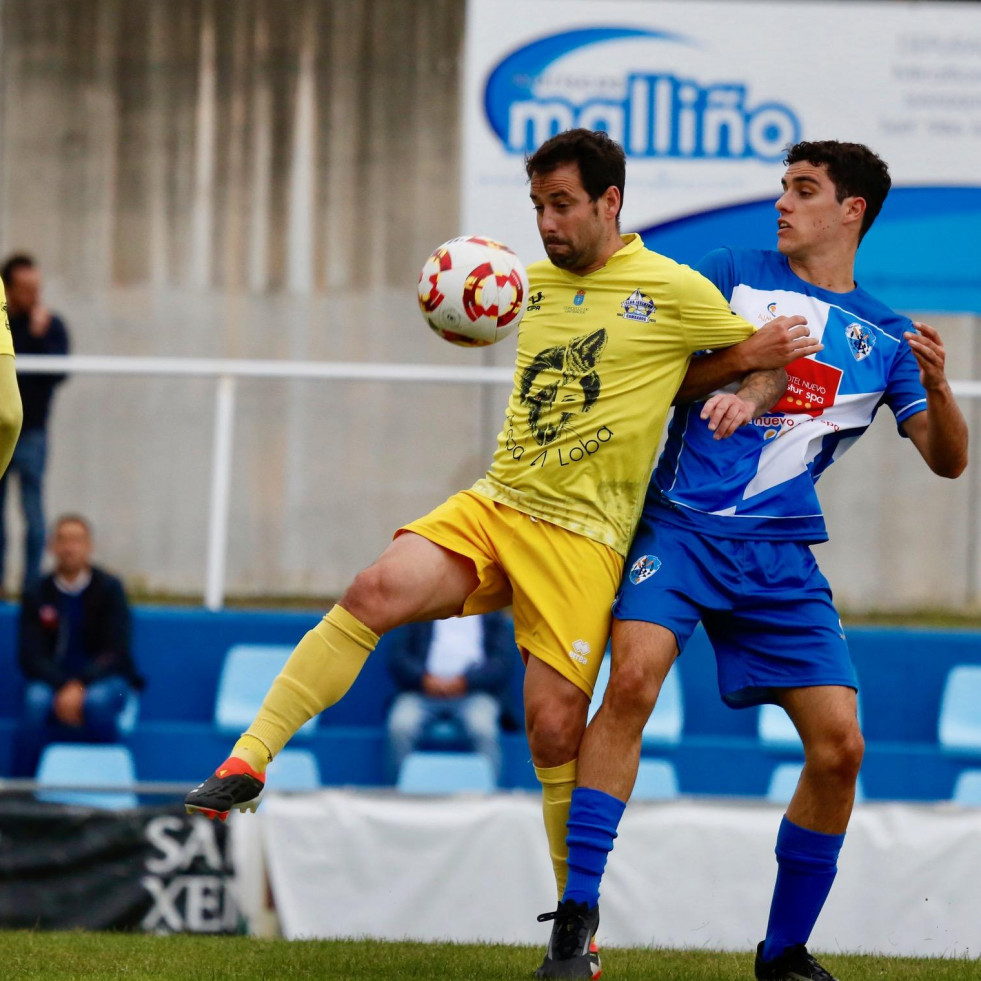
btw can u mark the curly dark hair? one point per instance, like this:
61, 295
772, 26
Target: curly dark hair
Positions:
854, 169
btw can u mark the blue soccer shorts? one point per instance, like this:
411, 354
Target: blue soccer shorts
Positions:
765, 605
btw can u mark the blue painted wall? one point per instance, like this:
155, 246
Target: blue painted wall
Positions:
920, 254
180, 652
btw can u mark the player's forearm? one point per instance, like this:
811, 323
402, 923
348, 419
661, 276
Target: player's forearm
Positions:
710, 372
947, 436
763, 389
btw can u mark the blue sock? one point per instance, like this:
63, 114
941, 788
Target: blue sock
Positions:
593, 820
806, 865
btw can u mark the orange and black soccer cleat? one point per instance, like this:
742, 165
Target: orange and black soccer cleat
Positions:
233, 786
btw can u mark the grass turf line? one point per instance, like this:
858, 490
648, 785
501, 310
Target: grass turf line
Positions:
44, 956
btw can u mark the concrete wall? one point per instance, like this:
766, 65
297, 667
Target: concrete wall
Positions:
900, 536
254, 178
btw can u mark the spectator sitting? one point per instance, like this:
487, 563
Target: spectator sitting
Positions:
455, 670
74, 648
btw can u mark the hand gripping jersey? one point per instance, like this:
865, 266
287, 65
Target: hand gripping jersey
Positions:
759, 483
600, 358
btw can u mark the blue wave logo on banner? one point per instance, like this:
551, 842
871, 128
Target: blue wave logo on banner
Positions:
899, 262
659, 115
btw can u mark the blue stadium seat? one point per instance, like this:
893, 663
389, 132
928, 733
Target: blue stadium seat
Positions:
967, 789
293, 770
130, 713
776, 731
87, 765
602, 680
446, 773
783, 783
960, 709
666, 721
656, 780
246, 674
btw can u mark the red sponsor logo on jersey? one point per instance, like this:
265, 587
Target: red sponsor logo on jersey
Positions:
811, 387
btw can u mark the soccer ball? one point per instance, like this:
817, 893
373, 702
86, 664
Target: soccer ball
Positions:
472, 291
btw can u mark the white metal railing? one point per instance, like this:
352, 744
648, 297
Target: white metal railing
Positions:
226, 373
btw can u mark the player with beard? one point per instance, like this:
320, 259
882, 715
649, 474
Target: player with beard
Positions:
602, 349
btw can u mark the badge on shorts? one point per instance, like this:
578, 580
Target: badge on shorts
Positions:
644, 568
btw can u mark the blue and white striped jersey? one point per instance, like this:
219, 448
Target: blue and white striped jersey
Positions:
759, 483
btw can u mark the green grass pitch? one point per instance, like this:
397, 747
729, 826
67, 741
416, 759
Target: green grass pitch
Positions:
40, 956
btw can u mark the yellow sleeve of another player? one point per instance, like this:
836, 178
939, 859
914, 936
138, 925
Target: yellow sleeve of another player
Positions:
11, 413
705, 318
6, 339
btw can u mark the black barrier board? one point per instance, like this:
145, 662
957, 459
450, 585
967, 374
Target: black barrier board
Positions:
154, 869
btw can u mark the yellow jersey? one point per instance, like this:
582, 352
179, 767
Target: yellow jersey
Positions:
600, 358
6, 338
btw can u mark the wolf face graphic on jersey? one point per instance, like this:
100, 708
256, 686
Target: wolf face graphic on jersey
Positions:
560, 384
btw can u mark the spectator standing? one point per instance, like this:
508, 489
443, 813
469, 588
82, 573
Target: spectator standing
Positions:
74, 648
453, 670
35, 330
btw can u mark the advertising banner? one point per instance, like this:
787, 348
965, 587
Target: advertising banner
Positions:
152, 869
704, 96
684, 874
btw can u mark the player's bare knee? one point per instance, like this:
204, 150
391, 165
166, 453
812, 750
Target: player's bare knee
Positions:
368, 598
852, 753
838, 755
632, 691
553, 732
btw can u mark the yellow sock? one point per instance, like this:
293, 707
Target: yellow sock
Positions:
319, 672
557, 782
254, 751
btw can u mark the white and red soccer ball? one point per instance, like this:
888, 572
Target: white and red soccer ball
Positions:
472, 291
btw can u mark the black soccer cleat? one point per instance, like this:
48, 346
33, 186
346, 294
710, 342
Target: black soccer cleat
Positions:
794, 964
571, 952
595, 964
233, 786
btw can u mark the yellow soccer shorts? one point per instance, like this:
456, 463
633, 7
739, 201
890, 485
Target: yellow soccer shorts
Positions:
560, 584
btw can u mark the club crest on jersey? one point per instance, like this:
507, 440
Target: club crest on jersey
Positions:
638, 306
861, 340
644, 568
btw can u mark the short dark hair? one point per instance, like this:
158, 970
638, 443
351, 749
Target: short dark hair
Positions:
854, 169
19, 260
71, 518
601, 160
